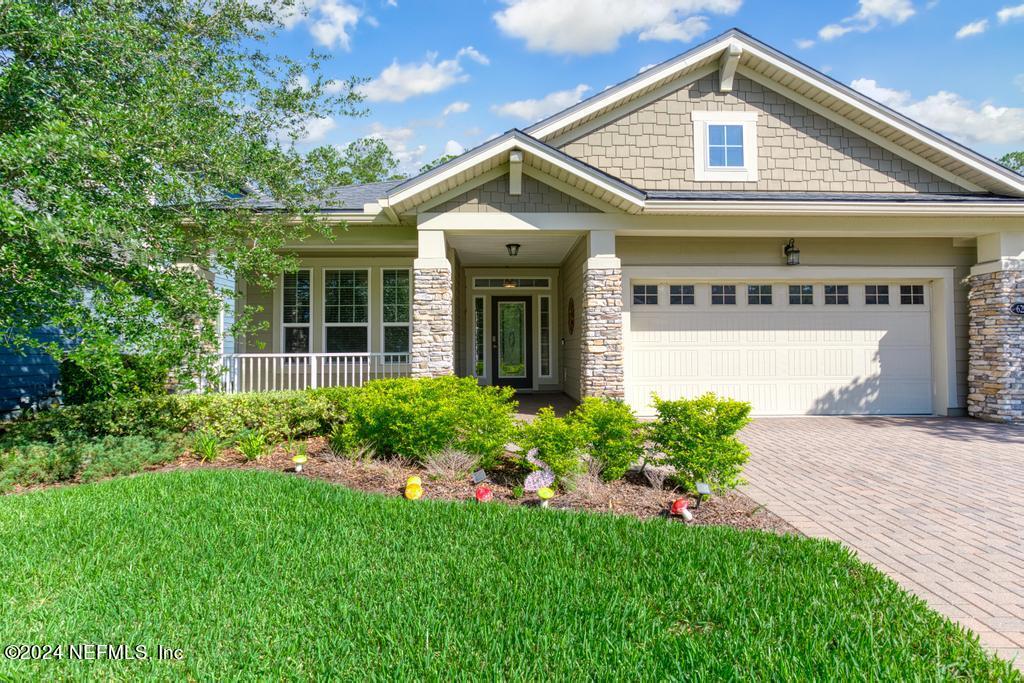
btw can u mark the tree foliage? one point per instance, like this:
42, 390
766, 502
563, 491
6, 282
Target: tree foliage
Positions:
1013, 161
133, 136
443, 159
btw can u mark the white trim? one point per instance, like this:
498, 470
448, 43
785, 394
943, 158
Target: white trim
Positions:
369, 308
702, 169
727, 64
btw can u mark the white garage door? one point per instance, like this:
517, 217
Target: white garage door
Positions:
788, 349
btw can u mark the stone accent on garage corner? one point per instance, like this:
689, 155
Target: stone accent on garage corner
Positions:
601, 334
996, 371
432, 352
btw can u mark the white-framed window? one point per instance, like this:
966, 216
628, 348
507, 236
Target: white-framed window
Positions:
295, 310
681, 295
725, 146
479, 358
645, 295
545, 336
723, 295
912, 295
876, 295
396, 293
511, 282
346, 311
759, 295
837, 295
801, 295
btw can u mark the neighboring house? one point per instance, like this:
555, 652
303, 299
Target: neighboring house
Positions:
636, 243
29, 378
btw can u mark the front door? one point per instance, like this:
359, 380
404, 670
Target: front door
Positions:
512, 341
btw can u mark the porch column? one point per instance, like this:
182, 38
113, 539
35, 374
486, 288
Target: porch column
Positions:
433, 316
601, 325
996, 302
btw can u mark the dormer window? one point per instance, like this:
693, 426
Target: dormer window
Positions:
725, 146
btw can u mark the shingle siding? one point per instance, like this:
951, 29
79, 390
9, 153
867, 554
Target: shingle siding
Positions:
493, 197
28, 378
799, 151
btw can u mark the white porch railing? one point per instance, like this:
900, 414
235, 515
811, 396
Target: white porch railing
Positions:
245, 372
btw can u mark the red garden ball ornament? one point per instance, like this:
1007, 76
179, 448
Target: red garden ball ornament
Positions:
484, 494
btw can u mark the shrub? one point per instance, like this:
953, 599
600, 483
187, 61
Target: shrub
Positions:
614, 435
252, 444
698, 439
206, 445
450, 464
39, 462
127, 376
414, 418
559, 443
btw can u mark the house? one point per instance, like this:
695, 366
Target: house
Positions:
730, 220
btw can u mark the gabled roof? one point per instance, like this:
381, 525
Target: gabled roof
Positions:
813, 89
494, 155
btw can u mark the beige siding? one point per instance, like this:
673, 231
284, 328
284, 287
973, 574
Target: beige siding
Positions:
652, 147
260, 341
668, 251
570, 278
493, 197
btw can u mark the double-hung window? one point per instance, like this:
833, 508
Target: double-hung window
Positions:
295, 311
346, 311
724, 146
397, 293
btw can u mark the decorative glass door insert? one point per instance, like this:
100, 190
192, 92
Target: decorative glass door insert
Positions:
511, 339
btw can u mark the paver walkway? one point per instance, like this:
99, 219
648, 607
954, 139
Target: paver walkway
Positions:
937, 503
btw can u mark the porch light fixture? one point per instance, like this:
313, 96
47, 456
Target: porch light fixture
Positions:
513, 249
509, 284
792, 254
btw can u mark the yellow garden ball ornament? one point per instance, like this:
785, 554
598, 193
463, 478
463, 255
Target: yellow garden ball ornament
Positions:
413, 488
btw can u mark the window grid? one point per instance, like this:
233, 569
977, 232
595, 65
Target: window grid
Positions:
801, 295
645, 295
876, 295
912, 295
346, 311
725, 145
396, 293
681, 295
759, 295
295, 311
545, 336
837, 295
723, 295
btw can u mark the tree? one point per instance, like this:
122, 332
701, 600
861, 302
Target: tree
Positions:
133, 135
1013, 161
444, 159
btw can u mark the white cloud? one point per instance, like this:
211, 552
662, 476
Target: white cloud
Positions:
456, 108
399, 82
952, 114
684, 31
534, 110
1008, 13
316, 129
397, 140
871, 12
974, 28
584, 27
804, 43
333, 22
1018, 81
473, 54
453, 147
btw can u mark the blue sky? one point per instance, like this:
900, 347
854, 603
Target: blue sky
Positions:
447, 75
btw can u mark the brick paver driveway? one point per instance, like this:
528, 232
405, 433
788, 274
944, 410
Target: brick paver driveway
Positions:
937, 503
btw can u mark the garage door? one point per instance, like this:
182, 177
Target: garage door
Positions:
787, 348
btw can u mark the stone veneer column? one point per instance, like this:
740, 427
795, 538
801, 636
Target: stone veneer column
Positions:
601, 372
996, 371
433, 323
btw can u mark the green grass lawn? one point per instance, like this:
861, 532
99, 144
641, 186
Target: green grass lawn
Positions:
256, 574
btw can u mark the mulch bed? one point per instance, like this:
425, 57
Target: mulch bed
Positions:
631, 495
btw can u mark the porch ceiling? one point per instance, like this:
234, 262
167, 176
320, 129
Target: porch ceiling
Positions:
536, 249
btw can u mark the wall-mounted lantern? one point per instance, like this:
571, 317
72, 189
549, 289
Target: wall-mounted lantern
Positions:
792, 254
513, 249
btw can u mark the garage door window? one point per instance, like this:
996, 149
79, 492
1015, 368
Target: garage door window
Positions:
723, 295
645, 295
801, 295
680, 295
876, 295
912, 295
759, 295
837, 295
